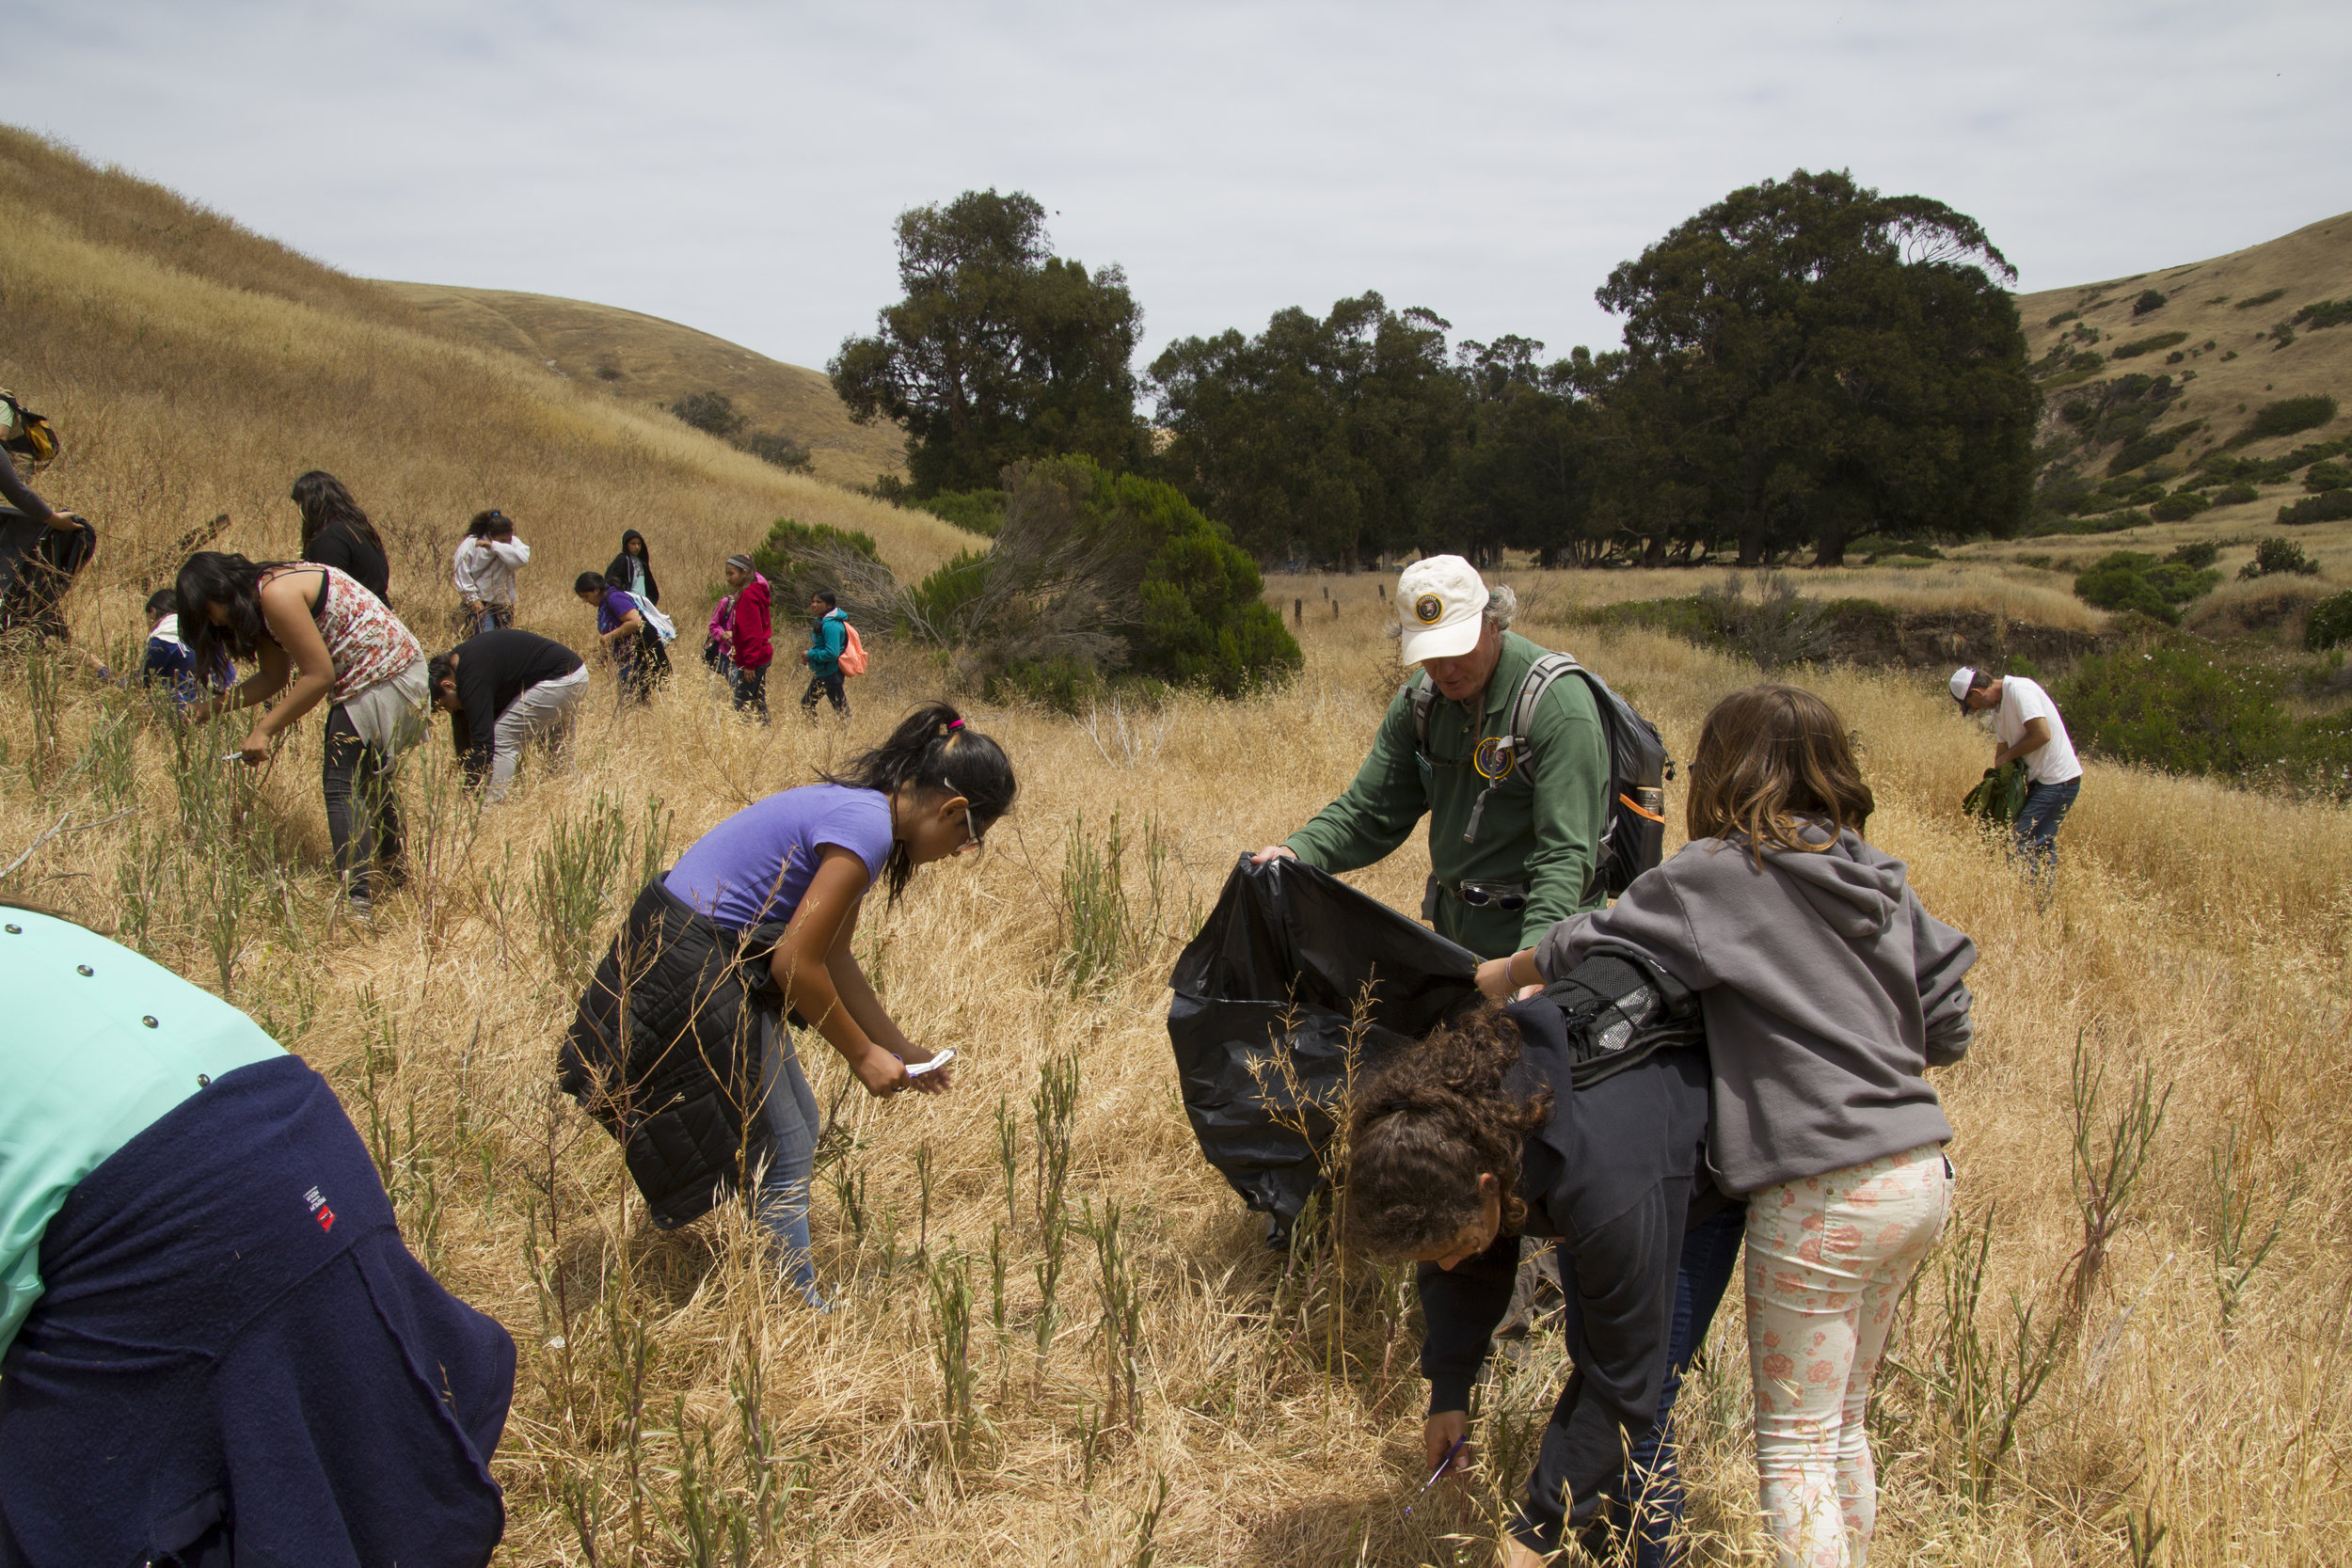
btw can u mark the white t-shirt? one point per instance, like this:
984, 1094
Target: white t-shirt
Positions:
2022, 702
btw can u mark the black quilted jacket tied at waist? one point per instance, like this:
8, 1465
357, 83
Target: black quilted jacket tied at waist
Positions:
664, 1050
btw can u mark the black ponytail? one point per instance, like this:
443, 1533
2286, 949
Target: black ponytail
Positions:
934, 749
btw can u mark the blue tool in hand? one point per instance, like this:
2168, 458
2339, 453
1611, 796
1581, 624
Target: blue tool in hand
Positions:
1443, 1465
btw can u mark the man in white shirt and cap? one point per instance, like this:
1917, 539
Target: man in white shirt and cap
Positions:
2027, 730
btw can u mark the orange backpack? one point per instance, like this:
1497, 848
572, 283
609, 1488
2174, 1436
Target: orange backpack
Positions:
853, 650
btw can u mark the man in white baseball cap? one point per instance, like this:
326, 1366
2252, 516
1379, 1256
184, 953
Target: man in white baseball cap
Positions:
2028, 730
1512, 839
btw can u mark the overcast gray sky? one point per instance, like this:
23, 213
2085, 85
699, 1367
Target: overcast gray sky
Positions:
737, 166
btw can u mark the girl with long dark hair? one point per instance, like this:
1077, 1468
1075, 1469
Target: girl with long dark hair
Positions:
1828, 991
755, 921
335, 533
317, 635
631, 572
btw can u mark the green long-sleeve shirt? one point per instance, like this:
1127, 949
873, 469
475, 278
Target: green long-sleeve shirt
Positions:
1543, 834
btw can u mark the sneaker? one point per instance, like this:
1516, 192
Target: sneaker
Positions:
360, 908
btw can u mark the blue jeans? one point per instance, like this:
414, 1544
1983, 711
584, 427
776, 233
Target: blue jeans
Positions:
789, 1107
1710, 1250
2038, 820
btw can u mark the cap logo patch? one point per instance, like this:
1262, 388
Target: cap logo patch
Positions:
1428, 608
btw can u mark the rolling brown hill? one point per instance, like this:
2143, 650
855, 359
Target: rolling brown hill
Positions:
644, 359
2226, 337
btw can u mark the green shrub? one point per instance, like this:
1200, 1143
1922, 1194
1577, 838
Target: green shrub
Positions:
2330, 475
2063, 317
2331, 624
797, 559
2147, 448
774, 445
2222, 467
2260, 300
2324, 508
2196, 554
2120, 582
2235, 494
2128, 579
2179, 506
2149, 345
959, 582
2325, 313
980, 511
2176, 709
2286, 416
713, 413
2150, 299
2278, 558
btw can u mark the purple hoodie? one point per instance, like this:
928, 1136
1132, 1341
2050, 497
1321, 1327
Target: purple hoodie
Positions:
1828, 991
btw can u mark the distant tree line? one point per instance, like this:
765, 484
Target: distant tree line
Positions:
1806, 363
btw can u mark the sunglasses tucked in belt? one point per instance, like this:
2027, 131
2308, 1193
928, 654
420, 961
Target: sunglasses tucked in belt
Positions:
1509, 898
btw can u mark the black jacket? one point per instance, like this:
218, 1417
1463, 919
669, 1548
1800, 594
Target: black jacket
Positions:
339, 545
1615, 1176
617, 574
494, 668
665, 1051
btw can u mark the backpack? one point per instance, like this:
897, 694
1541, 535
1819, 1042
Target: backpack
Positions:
1639, 767
26, 433
852, 659
1620, 1011
663, 627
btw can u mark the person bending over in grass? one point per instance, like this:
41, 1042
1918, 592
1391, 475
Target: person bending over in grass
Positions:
1479, 1136
622, 631
503, 690
1828, 991
337, 641
680, 1046
2027, 730
170, 662
214, 1346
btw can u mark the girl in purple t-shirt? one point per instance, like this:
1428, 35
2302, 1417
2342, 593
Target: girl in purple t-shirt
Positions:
619, 628
808, 857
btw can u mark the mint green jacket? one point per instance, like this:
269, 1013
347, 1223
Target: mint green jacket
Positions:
1542, 833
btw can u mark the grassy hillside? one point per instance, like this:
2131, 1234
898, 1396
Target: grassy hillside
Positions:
649, 362
196, 368
2225, 342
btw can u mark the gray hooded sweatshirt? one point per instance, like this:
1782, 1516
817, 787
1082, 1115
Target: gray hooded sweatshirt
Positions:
1827, 990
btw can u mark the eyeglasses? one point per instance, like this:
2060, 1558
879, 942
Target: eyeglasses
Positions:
971, 844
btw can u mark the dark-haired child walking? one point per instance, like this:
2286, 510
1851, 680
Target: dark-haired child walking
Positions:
680, 1045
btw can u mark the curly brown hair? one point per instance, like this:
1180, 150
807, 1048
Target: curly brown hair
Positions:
1771, 758
1427, 1127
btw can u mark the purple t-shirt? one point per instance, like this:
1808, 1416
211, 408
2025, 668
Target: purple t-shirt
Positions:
617, 606
753, 866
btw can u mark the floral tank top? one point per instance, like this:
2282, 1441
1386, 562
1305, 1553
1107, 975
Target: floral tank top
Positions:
364, 639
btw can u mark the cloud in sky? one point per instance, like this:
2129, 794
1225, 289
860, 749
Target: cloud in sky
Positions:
737, 166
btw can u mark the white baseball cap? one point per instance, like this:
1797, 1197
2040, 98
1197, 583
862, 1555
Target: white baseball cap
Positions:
1963, 679
1439, 600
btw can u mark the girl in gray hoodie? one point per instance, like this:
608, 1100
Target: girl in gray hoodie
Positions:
1828, 991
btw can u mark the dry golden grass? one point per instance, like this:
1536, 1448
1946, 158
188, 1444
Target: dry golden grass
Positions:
2198, 931
654, 362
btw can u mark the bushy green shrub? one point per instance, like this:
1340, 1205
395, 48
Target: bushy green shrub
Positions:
2129, 579
713, 413
2278, 558
980, 511
797, 559
2325, 313
2147, 448
2149, 345
2330, 475
2196, 554
2286, 416
2150, 299
2260, 300
2331, 624
2177, 709
2179, 506
774, 445
2063, 317
2235, 494
2144, 495
2324, 508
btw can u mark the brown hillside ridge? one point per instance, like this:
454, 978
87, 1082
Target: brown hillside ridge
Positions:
644, 359
2237, 354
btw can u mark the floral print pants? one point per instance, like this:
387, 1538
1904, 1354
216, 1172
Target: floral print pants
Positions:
1828, 1258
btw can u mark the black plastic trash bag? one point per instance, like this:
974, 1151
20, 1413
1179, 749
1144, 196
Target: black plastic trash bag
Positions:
1281, 962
